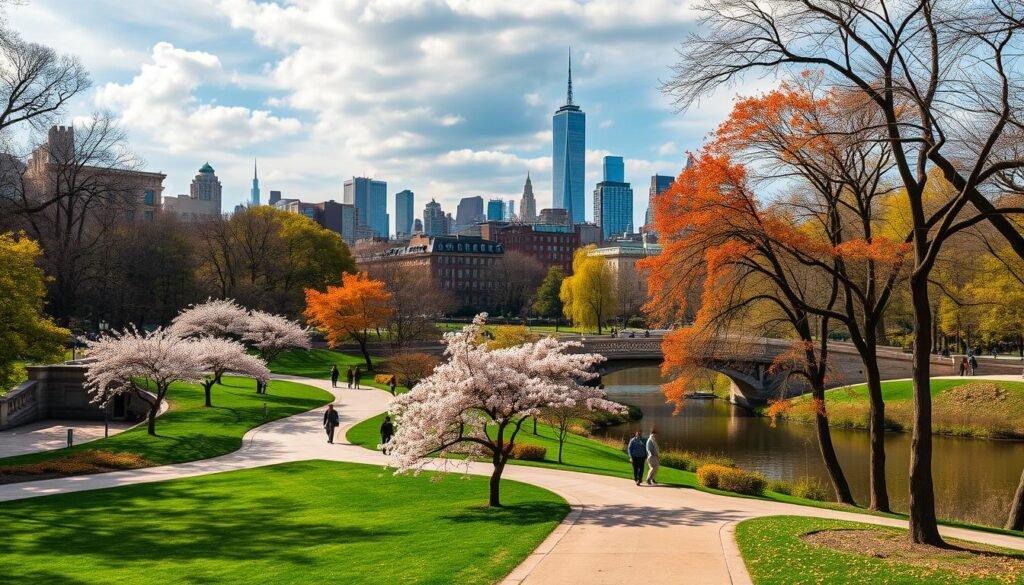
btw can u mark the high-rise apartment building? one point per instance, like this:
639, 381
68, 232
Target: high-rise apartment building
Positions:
569, 143
203, 200
404, 212
434, 221
613, 200
254, 193
495, 210
371, 199
659, 184
528, 205
275, 196
469, 212
510, 210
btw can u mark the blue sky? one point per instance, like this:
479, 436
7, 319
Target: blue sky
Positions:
447, 98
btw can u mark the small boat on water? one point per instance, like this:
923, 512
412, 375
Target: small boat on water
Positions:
701, 395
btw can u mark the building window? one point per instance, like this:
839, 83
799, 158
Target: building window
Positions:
147, 215
148, 197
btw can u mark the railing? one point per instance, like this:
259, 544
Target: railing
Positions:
20, 405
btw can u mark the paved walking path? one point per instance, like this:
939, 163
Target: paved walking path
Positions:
616, 533
46, 435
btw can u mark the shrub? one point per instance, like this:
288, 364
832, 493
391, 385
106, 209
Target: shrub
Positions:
675, 460
731, 479
690, 461
383, 379
525, 452
811, 488
780, 486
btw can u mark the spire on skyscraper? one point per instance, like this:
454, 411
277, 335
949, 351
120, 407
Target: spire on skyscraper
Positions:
568, 95
254, 193
254, 174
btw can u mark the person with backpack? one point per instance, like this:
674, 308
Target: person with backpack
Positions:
331, 422
637, 452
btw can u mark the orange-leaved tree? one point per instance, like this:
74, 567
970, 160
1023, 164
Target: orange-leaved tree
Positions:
350, 311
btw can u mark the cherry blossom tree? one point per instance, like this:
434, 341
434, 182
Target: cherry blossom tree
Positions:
220, 356
215, 318
142, 365
480, 398
271, 334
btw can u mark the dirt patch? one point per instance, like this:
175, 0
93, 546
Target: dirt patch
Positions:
83, 462
973, 394
963, 559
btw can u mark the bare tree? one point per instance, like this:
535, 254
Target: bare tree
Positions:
519, 275
947, 84
416, 298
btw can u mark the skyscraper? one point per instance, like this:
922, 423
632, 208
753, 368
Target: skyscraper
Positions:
275, 196
613, 200
371, 199
659, 184
434, 222
404, 212
495, 210
417, 226
569, 128
254, 194
528, 205
510, 210
469, 211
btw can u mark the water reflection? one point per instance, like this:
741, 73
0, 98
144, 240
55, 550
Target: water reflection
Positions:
975, 479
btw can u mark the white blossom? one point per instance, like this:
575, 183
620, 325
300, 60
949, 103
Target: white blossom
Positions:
271, 334
479, 389
216, 318
222, 356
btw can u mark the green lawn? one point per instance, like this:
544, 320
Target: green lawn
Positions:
904, 390
190, 431
304, 522
316, 363
775, 553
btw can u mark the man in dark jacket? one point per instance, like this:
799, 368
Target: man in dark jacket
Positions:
387, 430
637, 451
349, 376
334, 376
331, 422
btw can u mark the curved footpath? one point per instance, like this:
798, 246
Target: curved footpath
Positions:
616, 533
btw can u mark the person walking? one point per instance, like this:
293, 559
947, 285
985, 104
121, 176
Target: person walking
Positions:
974, 366
331, 422
652, 459
393, 384
356, 376
963, 365
387, 430
349, 376
637, 453
334, 376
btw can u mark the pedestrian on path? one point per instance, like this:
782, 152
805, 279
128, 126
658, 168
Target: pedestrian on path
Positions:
652, 459
387, 430
349, 375
334, 376
356, 376
963, 366
637, 453
331, 422
974, 366
393, 384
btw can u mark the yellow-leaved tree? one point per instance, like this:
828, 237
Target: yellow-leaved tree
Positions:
25, 332
588, 296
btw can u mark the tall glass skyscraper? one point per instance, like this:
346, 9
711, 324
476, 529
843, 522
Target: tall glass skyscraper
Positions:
495, 210
659, 184
613, 200
371, 199
404, 212
569, 132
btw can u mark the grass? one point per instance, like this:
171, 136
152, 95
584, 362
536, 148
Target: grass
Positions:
303, 522
776, 553
968, 407
189, 431
316, 363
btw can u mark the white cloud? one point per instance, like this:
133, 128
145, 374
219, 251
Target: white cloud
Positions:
668, 148
606, 123
160, 100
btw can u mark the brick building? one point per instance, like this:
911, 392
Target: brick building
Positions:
550, 245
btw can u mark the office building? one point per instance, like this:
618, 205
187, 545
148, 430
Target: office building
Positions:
569, 143
659, 184
528, 205
203, 200
613, 200
495, 210
469, 212
371, 199
404, 212
549, 245
275, 196
556, 216
417, 226
459, 264
630, 284
510, 211
341, 218
254, 193
434, 221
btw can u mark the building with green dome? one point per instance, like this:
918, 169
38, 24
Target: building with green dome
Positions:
203, 200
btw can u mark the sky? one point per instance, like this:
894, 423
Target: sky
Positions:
448, 98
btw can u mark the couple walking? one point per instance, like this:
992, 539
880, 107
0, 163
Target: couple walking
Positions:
639, 451
352, 376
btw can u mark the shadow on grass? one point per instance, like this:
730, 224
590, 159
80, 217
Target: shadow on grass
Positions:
524, 513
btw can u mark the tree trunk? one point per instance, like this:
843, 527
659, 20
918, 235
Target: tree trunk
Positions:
924, 527
828, 453
366, 356
151, 417
1016, 519
207, 389
534, 425
499, 466
879, 497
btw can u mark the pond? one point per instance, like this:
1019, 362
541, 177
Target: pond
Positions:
974, 478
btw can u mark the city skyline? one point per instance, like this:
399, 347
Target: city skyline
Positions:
226, 88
